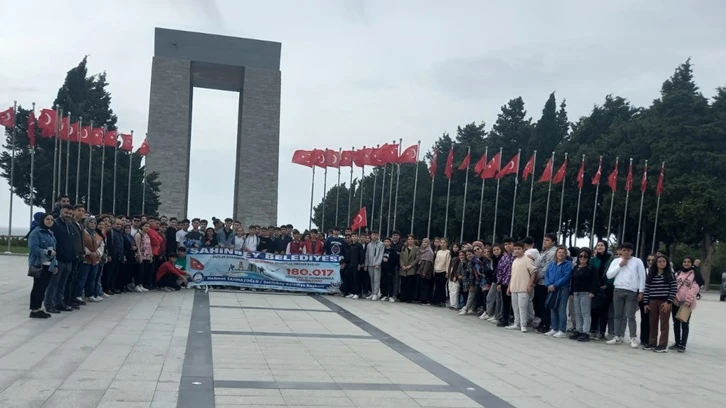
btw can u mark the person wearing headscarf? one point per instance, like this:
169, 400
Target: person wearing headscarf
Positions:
41, 248
425, 271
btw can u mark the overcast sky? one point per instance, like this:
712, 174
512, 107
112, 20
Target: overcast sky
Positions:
360, 72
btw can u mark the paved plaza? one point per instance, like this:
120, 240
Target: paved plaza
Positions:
230, 349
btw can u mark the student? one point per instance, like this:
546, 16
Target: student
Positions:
453, 278
238, 242
467, 277
296, 246
169, 277
357, 275
557, 280
314, 246
601, 315
442, 263
521, 284
334, 243
407, 272
41, 255
686, 294
584, 285
425, 271
283, 240
144, 258
193, 237
542, 314
388, 271
660, 292
266, 244
504, 274
252, 240
181, 234
226, 235
373, 260
210, 239
629, 275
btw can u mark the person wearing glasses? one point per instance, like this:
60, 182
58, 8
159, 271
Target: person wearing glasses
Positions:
584, 285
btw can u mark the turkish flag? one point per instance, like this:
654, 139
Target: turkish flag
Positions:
467, 161
629, 179
644, 181
127, 142
144, 148
7, 117
362, 157
433, 166
86, 132
360, 220
65, 129
389, 153
97, 137
346, 158
74, 132
659, 187
480, 165
46, 122
528, 168
449, 169
581, 175
318, 158
377, 156
31, 130
109, 138
302, 157
560, 175
409, 156
547, 173
510, 168
613, 178
332, 158
596, 177
491, 169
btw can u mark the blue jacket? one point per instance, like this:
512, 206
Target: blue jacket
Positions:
558, 275
225, 238
39, 240
63, 234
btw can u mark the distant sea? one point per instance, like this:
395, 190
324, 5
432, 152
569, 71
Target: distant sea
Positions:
17, 231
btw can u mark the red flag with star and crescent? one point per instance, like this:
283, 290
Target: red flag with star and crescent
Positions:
362, 157
433, 165
490, 171
46, 122
332, 158
31, 130
346, 158
659, 187
109, 138
97, 137
481, 164
7, 117
547, 173
596, 177
302, 157
389, 153
528, 168
449, 169
629, 179
144, 148
127, 142
613, 178
467, 161
560, 175
581, 175
318, 158
74, 132
510, 168
644, 181
86, 132
409, 155
360, 220
65, 132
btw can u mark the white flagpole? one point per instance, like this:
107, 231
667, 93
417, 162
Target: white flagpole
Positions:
12, 171
579, 195
531, 190
383, 193
56, 135
514, 199
60, 161
337, 188
325, 190
115, 160
362, 176
463, 206
312, 195
431, 203
640, 215
549, 191
373, 201
350, 186
561, 230
128, 187
612, 199
90, 161
78, 156
68, 155
657, 209
398, 177
594, 206
143, 192
415, 186
496, 199
103, 168
481, 195
390, 193
625, 210
448, 193
32, 172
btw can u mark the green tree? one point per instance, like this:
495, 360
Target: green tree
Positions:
84, 97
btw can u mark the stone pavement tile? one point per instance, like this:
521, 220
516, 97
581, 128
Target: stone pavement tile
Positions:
249, 399
74, 399
22, 404
444, 403
255, 392
316, 401
7, 377
26, 389
139, 372
167, 386
88, 380
59, 364
533, 402
165, 396
235, 374
130, 391
160, 404
119, 404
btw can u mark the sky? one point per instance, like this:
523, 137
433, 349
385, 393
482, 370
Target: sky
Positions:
360, 72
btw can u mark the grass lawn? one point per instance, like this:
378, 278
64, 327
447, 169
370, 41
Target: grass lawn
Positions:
14, 249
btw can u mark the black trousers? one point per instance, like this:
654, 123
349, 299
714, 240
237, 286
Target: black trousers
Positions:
169, 281
644, 324
71, 282
108, 280
408, 288
680, 329
506, 305
600, 315
143, 274
361, 279
540, 295
440, 283
127, 273
37, 294
388, 282
424, 289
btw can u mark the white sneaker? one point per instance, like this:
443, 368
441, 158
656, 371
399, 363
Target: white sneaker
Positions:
384, 298
512, 327
167, 289
143, 289
375, 297
633, 342
369, 297
559, 335
492, 319
463, 312
484, 316
355, 297
615, 340
106, 295
131, 286
99, 298
392, 300
524, 329
551, 333
350, 296
92, 299
138, 289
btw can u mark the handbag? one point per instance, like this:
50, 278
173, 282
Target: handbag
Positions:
35, 272
684, 313
553, 299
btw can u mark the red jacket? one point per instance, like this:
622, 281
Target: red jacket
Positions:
296, 247
155, 239
316, 249
167, 267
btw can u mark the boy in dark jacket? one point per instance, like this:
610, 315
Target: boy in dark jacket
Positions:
354, 267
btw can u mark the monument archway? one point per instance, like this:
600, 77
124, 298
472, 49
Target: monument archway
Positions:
186, 60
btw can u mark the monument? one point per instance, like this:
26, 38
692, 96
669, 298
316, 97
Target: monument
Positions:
186, 60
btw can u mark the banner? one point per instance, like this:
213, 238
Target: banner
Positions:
258, 270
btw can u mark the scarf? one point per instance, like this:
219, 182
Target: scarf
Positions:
425, 254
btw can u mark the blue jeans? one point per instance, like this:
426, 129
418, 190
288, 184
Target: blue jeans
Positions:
86, 279
54, 292
559, 313
98, 289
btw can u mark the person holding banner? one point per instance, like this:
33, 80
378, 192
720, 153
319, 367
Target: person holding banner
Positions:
314, 246
296, 245
169, 277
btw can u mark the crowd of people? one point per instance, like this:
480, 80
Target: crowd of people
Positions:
76, 259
